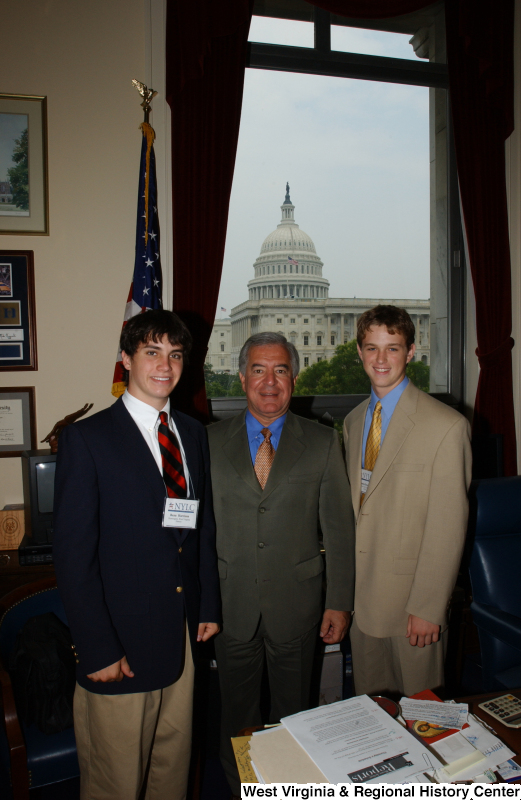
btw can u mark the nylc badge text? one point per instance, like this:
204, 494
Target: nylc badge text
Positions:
417, 791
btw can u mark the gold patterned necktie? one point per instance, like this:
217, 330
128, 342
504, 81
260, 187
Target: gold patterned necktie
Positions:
264, 458
372, 446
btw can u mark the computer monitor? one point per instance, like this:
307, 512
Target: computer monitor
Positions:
38, 468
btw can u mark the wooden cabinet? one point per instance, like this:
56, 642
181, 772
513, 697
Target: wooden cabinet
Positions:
13, 575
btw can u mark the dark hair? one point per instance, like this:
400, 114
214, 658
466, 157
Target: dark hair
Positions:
152, 326
268, 338
395, 319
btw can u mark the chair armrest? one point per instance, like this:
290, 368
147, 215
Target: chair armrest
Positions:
505, 627
15, 739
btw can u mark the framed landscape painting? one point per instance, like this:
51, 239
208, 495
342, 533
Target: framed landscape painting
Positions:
23, 165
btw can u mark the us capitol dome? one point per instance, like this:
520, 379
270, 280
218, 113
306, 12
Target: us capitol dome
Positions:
288, 266
288, 294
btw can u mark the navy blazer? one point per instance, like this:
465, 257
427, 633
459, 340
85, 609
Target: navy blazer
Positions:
119, 571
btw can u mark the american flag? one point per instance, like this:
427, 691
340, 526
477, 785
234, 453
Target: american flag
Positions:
223, 309
292, 260
147, 286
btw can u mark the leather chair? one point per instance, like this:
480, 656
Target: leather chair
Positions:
28, 757
495, 577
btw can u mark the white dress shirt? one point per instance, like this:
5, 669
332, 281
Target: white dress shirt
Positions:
147, 419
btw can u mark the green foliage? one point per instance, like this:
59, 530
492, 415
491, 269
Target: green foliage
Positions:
221, 384
419, 374
342, 374
19, 175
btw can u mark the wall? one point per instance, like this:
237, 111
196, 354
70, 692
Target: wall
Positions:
82, 56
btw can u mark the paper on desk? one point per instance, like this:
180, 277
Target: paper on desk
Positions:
509, 770
241, 750
446, 715
459, 756
280, 758
482, 739
355, 741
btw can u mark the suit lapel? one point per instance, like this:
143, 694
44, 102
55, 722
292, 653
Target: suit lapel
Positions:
354, 466
134, 449
291, 446
399, 428
237, 450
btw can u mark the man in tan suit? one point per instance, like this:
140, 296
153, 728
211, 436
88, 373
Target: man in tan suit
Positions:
276, 478
409, 464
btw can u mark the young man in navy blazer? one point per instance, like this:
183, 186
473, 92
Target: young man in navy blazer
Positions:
137, 594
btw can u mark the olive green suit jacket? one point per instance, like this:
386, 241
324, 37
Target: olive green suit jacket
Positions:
411, 527
268, 540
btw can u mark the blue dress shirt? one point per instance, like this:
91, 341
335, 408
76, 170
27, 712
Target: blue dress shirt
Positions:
255, 437
389, 403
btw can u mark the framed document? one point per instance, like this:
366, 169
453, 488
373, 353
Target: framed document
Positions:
17, 311
24, 196
17, 420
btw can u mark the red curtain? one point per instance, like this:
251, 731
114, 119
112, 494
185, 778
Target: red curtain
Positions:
206, 49
480, 54
206, 55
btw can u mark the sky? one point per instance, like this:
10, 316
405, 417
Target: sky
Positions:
11, 128
356, 156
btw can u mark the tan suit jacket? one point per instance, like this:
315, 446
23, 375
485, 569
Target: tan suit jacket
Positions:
268, 540
411, 527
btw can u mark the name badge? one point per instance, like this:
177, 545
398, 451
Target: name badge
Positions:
179, 513
366, 477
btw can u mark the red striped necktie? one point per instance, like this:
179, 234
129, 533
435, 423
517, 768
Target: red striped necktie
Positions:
173, 471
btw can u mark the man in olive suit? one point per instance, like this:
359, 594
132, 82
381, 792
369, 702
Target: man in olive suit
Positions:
276, 478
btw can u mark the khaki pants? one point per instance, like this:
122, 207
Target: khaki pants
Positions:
118, 736
391, 664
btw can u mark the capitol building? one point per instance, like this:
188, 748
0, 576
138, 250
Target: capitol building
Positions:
289, 294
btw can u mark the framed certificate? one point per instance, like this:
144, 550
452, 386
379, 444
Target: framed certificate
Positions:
17, 311
17, 420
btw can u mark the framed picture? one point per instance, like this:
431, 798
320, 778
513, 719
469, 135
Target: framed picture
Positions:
17, 311
24, 196
17, 420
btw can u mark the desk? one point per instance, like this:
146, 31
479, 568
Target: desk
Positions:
510, 736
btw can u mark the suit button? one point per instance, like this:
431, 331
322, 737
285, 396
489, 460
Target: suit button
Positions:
261, 545
262, 510
179, 589
180, 549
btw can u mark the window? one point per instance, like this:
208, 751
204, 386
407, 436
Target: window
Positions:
292, 321
306, 361
222, 334
222, 362
319, 340
393, 77
319, 358
306, 321
222, 348
306, 340
279, 320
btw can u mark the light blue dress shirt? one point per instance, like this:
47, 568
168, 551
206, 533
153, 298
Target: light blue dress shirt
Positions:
389, 403
255, 437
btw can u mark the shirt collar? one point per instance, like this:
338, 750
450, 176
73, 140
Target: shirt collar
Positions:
390, 401
147, 414
254, 427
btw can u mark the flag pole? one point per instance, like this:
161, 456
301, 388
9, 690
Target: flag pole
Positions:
146, 286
